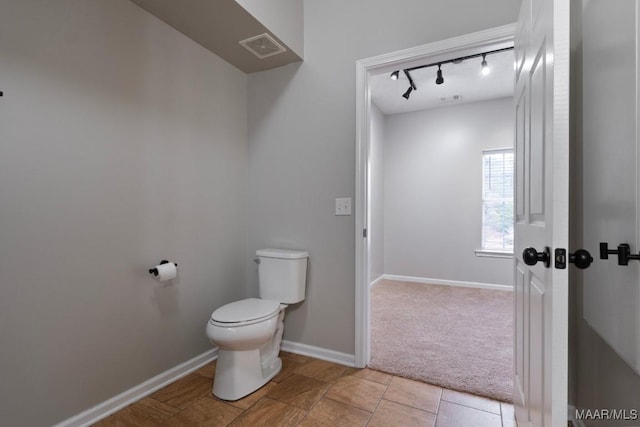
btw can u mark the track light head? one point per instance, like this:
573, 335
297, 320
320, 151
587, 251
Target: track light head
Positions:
395, 75
407, 93
439, 79
485, 67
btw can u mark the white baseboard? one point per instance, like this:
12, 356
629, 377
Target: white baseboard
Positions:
448, 282
108, 407
375, 282
319, 353
572, 417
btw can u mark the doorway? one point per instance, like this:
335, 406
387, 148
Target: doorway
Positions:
367, 70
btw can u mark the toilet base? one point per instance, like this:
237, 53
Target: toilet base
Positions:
240, 373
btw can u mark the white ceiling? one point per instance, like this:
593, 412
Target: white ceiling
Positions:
218, 26
464, 79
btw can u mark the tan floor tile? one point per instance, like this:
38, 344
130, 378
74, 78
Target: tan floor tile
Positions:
333, 394
471, 401
267, 412
322, 370
351, 370
371, 375
296, 357
145, 412
328, 412
358, 392
288, 366
185, 391
508, 416
248, 401
393, 414
414, 393
205, 412
453, 415
208, 370
300, 391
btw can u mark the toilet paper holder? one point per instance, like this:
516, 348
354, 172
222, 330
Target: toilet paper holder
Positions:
154, 270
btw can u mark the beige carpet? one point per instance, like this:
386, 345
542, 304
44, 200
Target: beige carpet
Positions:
455, 337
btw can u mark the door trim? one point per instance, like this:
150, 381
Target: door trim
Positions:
365, 68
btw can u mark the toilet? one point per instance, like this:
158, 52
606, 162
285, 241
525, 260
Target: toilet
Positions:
248, 332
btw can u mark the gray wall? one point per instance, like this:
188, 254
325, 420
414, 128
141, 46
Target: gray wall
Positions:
302, 143
433, 191
122, 142
602, 379
599, 378
376, 194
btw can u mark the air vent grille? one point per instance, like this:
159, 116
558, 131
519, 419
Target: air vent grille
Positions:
447, 99
262, 46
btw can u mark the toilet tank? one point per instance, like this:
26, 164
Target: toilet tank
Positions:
282, 275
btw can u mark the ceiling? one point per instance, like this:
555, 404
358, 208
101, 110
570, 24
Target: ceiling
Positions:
218, 26
463, 79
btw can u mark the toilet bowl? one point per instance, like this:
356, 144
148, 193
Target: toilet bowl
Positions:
248, 333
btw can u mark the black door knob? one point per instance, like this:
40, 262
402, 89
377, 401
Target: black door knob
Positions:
581, 258
531, 256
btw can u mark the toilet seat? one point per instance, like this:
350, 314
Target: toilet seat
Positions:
244, 312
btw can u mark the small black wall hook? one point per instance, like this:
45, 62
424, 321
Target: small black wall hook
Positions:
623, 251
154, 270
605, 251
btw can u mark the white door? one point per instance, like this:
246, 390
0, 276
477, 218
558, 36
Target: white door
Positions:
541, 101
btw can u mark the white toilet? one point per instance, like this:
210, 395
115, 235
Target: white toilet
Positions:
248, 332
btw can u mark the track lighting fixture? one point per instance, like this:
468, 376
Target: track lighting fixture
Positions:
485, 68
412, 85
439, 79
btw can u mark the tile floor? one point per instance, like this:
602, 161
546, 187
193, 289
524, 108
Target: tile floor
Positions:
311, 392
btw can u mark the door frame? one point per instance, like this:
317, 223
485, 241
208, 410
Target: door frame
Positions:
432, 52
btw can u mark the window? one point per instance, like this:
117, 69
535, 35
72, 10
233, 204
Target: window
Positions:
497, 200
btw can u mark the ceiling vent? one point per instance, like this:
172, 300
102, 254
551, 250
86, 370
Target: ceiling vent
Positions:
447, 99
263, 46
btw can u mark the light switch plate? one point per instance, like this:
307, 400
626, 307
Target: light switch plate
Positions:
343, 206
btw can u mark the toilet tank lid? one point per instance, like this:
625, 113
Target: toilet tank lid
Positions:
282, 253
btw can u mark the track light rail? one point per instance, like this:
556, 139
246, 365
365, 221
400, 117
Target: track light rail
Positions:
440, 79
458, 60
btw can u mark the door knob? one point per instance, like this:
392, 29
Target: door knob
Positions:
531, 257
581, 258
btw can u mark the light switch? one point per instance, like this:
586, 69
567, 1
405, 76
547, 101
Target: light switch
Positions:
343, 206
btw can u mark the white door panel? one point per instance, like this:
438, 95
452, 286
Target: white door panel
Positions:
521, 111
537, 332
537, 139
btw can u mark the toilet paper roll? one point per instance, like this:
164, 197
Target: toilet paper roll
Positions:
166, 271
